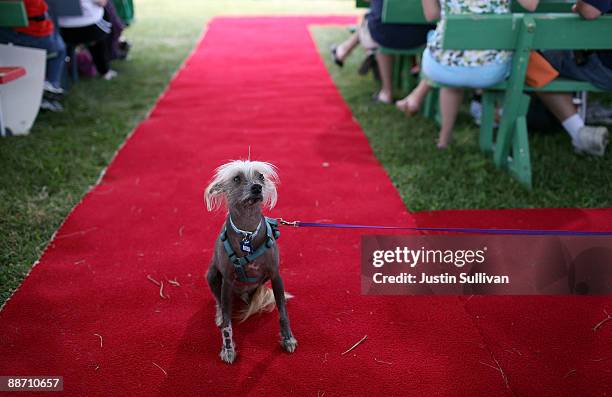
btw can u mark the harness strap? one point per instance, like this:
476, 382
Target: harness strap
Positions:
239, 262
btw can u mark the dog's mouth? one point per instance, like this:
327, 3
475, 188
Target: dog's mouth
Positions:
254, 199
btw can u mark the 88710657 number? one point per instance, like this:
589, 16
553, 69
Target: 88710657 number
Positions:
31, 383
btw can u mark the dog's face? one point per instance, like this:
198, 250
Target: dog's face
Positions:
242, 184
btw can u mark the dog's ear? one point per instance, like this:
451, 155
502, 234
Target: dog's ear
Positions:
214, 195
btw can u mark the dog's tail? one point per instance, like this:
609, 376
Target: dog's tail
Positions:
261, 301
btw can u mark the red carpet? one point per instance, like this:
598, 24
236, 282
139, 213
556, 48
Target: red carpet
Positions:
260, 82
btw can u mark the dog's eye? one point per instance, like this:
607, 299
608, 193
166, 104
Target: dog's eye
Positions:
237, 179
261, 177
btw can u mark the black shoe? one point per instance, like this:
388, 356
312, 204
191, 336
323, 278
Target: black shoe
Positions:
335, 58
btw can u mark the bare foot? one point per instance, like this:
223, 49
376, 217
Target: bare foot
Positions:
408, 105
443, 143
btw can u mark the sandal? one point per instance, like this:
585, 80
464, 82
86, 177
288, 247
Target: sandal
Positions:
335, 58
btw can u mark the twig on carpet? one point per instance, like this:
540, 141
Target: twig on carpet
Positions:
153, 280
161, 290
163, 370
355, 345
570, 372
382, 362
602, 322
181, 231
174, 283
498, 368
99, 336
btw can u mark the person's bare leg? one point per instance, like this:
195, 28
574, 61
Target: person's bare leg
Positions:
450, 101
345, 48
559, 103
413, 102
385, 66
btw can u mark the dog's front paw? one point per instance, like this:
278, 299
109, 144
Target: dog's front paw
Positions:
289, 344
228, 355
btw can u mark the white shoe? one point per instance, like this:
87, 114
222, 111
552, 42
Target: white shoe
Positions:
47, 86
591, 140
111, 74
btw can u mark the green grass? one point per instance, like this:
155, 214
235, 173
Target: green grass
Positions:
47, 172
463, 177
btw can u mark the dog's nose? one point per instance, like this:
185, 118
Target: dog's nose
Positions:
256, 188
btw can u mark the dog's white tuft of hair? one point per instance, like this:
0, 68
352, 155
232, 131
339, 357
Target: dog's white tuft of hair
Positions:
214, 195
261, 301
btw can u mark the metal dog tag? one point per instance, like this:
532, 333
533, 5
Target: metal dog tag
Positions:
245, 246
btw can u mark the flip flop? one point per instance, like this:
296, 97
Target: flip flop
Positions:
335, 58
376, 99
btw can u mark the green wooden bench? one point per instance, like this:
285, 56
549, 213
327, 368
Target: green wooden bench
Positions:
411, 11
13, 14
522, 33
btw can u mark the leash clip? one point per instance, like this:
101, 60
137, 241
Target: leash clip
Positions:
288, 223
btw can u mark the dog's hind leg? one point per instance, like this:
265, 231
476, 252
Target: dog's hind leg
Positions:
288, 342
214, 278
228, 350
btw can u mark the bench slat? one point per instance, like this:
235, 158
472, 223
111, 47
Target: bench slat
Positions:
9, 73
557, 85
411, 11
13, 14
554, 32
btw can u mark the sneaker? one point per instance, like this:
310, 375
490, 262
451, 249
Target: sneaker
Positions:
111, 74
50, 88
52, 106
591, 140
476, 111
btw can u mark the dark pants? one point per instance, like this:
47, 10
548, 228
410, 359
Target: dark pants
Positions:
96, 41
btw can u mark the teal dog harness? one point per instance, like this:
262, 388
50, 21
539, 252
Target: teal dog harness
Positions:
240, 262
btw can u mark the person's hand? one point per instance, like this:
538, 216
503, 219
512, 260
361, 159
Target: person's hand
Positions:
574, 8
101, 3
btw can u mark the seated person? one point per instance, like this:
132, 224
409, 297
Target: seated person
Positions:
594, 67
396, 36
458, 68
40, 33
92, 30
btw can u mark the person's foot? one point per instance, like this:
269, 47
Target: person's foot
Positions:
335, 57
50, 88
408, 105
111, 74
591, 140
382, 97
51, 105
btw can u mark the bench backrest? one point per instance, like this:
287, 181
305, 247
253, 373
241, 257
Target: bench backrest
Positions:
550, 31
13, 14
411, 11
362, 4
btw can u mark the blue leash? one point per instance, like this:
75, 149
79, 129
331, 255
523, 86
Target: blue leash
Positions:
515, 232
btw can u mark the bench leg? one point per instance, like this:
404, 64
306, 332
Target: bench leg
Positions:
408, 80
431, 103
487, 121
520, 164
397, 71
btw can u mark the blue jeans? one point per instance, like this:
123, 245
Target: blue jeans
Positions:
52, 44
593, 71
463, 76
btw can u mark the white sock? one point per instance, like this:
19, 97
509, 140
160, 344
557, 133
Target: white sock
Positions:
572, 125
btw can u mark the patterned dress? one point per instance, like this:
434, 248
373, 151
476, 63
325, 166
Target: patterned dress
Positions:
467, 58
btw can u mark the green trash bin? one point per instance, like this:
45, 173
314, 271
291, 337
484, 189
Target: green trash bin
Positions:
125, 9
